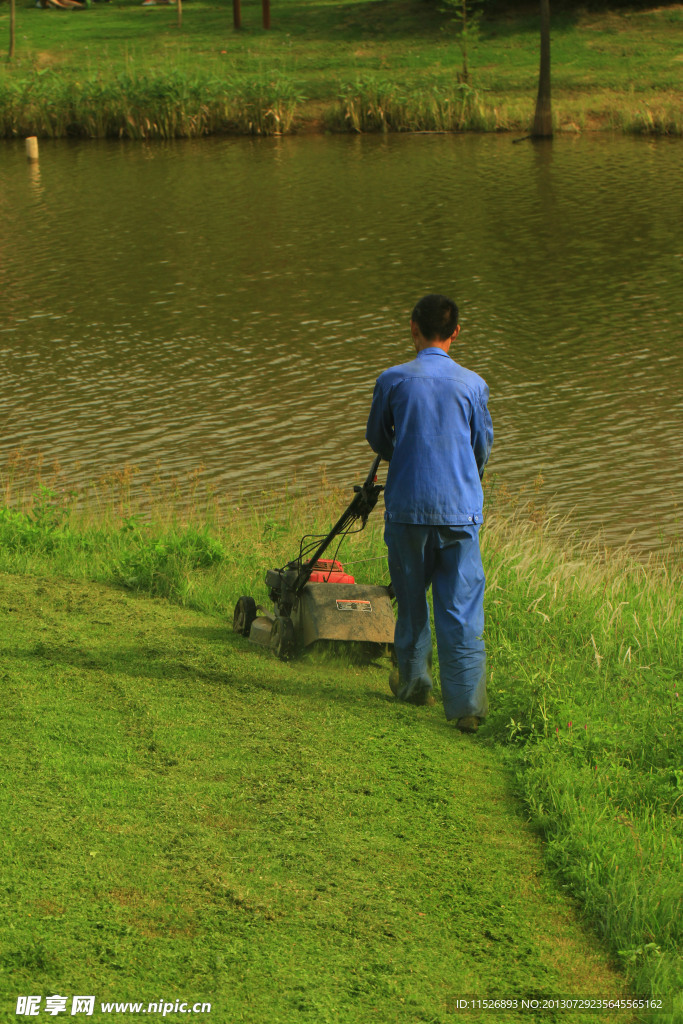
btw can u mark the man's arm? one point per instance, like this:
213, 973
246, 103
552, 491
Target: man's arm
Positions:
380, 429
481, 431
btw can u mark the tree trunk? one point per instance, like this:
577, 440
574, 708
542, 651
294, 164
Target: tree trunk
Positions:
12, 27
543, 121
266, 13
237, 13
180, 13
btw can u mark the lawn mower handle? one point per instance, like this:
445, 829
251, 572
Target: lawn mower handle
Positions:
372, 475
362, 504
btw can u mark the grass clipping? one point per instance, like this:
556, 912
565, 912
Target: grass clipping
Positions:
584, 649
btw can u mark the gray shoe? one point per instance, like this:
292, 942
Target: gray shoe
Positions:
469, 723
423, 699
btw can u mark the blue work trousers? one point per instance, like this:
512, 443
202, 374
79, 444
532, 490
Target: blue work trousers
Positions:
448, 558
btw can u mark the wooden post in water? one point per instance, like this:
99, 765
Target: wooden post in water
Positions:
32, 149
237, 13
266, 13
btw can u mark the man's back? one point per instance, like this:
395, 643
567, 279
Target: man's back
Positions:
429, 418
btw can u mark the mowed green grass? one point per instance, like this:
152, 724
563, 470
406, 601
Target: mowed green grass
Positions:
200, 810
187, 817
361, 65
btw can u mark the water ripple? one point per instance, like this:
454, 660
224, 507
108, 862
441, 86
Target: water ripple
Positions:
232, 302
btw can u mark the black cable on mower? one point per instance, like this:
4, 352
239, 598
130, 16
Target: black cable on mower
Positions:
361, 506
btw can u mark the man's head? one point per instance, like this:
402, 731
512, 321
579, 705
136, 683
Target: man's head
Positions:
434, 321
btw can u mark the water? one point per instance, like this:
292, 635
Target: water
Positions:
230, 303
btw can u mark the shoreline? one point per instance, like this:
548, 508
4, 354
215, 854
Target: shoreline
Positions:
127, 71
83, 117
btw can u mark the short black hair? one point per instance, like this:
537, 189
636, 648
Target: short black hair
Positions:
436, 316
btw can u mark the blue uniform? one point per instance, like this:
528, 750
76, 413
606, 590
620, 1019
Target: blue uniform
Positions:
429, 418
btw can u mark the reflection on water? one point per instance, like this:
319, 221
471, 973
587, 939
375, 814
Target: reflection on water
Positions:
230, 302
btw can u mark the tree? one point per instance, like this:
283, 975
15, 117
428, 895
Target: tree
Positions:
543, 121
12, 27
465, 14
237, 13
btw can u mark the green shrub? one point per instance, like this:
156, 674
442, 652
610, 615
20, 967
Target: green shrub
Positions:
161, 566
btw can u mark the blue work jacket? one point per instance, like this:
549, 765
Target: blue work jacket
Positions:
429, 419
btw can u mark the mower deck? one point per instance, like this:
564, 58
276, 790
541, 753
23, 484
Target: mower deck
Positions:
315, 599
343, 611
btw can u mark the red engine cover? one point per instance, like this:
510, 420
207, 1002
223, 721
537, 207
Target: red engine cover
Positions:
329, 571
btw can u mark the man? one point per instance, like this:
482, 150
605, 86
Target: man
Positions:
429, 419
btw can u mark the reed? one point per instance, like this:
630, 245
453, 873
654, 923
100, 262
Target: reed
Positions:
147, 105
174, 104
375, 105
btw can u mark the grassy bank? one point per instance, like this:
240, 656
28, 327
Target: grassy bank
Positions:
122, 70
314, 784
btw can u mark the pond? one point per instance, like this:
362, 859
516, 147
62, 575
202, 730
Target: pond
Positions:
229, 303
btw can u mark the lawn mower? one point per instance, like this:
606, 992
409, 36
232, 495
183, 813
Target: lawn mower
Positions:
315, 599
